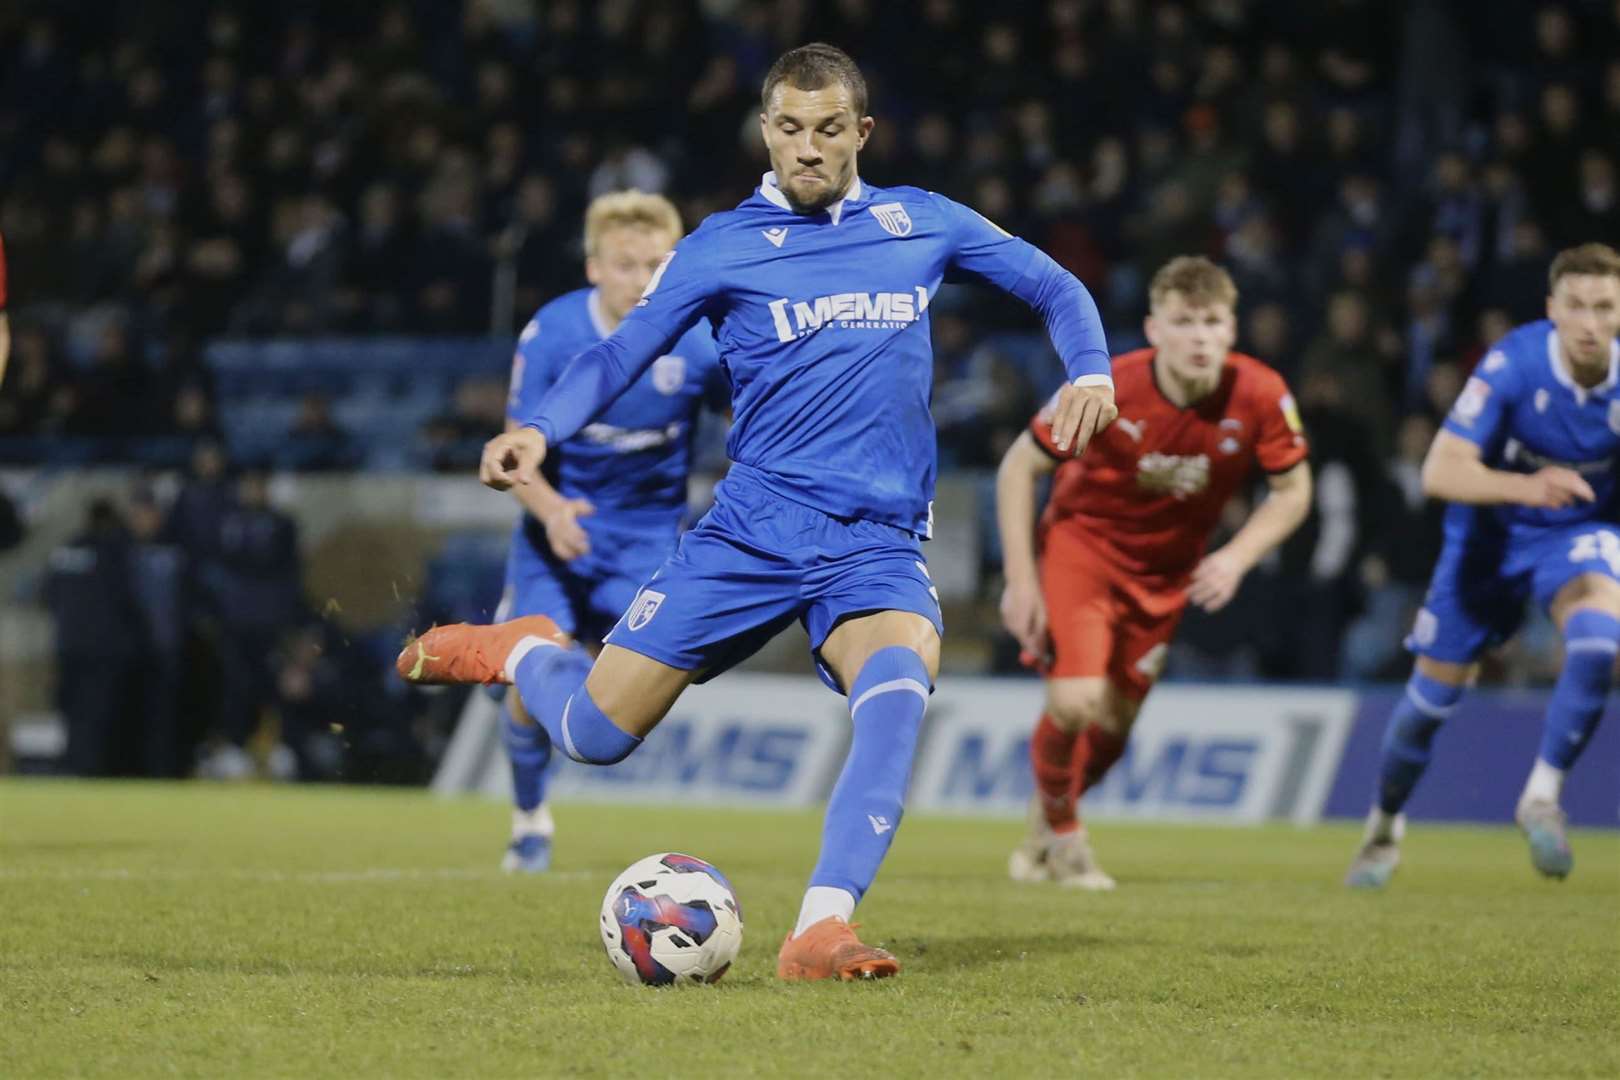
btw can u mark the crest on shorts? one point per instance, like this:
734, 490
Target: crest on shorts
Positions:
643, 608
669, 374
894, 219
1614, 417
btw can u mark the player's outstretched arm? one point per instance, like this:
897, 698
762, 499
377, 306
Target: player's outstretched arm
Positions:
512, 457
558, 514
986, 252
1082, 411
1216, 578
673, 301
1023, 610
1455, 472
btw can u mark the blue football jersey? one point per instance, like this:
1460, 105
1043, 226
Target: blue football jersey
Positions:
635, 456
1525, 411
823, 328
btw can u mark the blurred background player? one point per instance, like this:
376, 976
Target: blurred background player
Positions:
818, 286
1527, 459
1094, 597
607, 511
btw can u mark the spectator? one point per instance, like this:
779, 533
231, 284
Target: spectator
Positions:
1401, 555
158, 579
260, 599
1345, 351
99, 640
38, 397
316, 443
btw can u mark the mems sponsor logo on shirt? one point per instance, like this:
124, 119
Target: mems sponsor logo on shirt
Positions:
795, 319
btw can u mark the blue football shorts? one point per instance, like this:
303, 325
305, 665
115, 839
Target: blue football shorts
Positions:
1476, 598
754, 564
583, 596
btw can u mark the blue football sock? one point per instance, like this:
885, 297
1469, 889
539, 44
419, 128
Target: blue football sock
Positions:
552, 682
1591, 639
1410, 736
886, 705
529, 748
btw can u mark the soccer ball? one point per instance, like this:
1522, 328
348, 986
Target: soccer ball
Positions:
671, 919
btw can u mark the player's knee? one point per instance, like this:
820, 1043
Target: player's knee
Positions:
1589, 592
1075, 706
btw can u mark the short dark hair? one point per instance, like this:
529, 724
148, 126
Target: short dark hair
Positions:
1600, 260
813, 66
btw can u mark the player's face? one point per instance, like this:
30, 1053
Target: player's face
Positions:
813, 137
1586, 310
625, 260
1192, 340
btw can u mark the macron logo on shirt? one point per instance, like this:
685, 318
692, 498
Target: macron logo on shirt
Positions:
848, 311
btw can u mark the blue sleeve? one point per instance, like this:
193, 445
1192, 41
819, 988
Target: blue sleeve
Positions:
1481, 409
716, 381
674, 299
532, 372
983, 251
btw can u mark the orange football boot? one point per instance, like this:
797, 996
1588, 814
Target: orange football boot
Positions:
829, 949
469, 653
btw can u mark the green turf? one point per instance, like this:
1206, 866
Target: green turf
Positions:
207, 931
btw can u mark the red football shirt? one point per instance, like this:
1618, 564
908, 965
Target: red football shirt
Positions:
1148, 492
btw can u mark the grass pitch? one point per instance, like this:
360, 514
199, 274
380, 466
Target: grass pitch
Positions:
197, 930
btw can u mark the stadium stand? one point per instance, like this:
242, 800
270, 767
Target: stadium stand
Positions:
308, 231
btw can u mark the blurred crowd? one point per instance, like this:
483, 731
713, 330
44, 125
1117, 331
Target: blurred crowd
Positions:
184, 644
1386, 180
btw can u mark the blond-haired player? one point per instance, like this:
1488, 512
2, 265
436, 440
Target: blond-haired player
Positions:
608, 509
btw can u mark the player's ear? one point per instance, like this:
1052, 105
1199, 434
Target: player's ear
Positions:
593, 272
865, 129
1150, 329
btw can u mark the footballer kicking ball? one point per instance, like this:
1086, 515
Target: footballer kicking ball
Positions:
671, 919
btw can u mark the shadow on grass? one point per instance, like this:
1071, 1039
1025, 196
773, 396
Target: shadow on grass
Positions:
957, 953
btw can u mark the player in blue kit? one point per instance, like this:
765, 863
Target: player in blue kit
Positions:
607, 511
818, 286
1527, 458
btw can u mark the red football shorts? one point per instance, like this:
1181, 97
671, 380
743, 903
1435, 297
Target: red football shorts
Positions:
1103, 621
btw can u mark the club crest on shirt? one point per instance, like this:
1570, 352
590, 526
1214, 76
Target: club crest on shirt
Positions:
1290, 413
1471, 402
894, 219
668, 374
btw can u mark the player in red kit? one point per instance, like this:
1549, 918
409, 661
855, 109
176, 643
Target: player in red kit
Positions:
1094, 595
